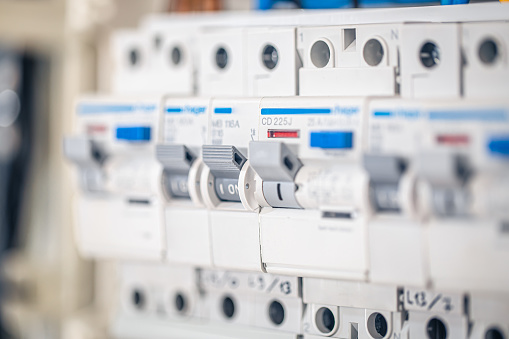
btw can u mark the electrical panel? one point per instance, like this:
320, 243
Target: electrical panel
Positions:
302, 175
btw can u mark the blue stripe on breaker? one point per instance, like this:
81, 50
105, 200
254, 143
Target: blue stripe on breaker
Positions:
476, 115
280, 111
382, 114
223, 110
173, 109
105, 108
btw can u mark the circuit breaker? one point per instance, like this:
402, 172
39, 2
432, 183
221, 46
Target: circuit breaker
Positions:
302, 175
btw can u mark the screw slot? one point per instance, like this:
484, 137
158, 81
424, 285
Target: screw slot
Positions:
138, 299
270, 56
276, 312
228, 307
488, 52
320, 54
493, 333
180, 303
377, 325
429, 55
325, 321
221, 58
373, 52
134, 57
436, 329
176, 55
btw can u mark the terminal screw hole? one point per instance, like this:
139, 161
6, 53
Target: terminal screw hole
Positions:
436, 329
324, 320
270, 56
228, 307
430, 55
320, 54
180, 302
373, 52
377, 325
221, 58
493, 333
488, 52
176, 56
276, 312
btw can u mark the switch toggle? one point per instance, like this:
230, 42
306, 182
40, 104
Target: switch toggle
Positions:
89, 157
177, 160
447, 175
277, 165
225, 163
385, 173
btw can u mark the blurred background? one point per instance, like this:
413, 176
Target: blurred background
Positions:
50, 52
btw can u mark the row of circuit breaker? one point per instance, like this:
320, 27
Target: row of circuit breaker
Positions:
301, 181
411, 60
179, 302
394, 191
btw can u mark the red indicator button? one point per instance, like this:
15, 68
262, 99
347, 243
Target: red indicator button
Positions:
96, 129
283, 133
451, 139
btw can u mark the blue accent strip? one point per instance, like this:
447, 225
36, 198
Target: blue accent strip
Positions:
481, 115
135, 133
331, 139
499, 146
107, 108
173, 109
223, 110
382, 114
280, 111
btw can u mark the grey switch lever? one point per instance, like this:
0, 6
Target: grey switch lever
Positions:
83, 151
277, 165
385, 173
225, 163
177, 160
89, 158
444, 169
273, 161
447, 174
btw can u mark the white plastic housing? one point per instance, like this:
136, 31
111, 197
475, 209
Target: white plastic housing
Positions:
185, 122
231, 79
124, 219
485, 71
439, 74
131, 62
363, 60
173, 68
266, 78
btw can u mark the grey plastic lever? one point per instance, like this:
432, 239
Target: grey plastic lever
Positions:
277, 165
82, 151
88, 157
385, 173
177, 158
273, 161
223, 161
